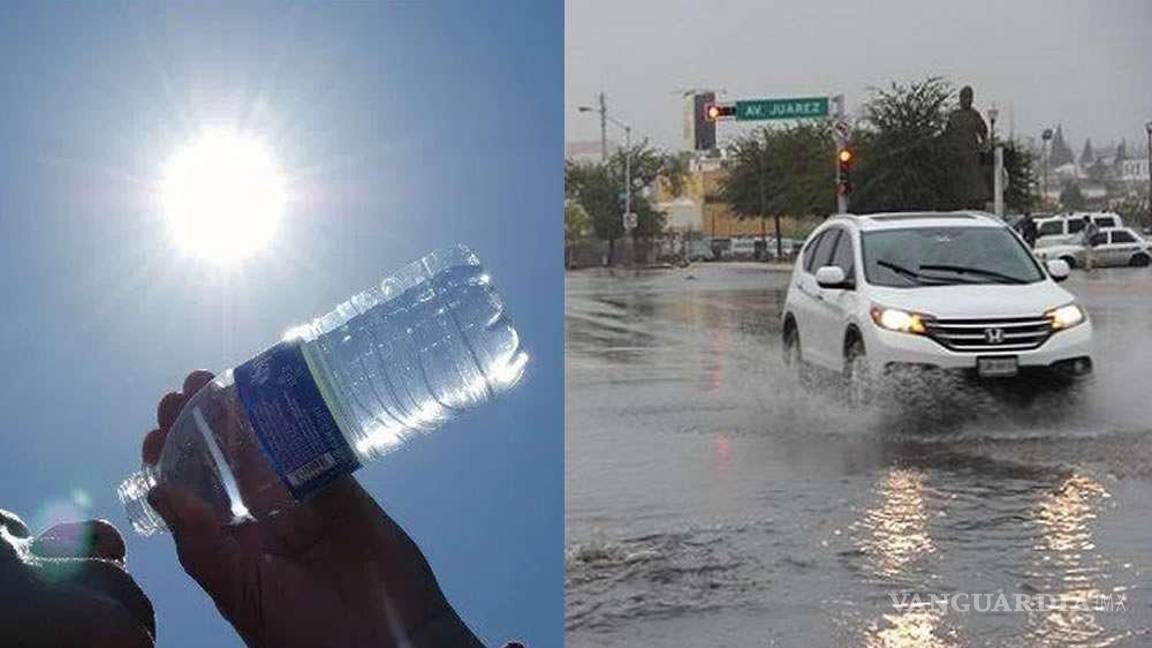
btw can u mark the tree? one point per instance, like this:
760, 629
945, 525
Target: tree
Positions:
1020, 167
1121, 151
902, 160
1071, 198
599, 187
577, 227
1087, 157
1061, 154
591, 186
781, 171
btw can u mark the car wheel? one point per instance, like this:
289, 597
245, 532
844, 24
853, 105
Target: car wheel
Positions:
793, 357
1071, 261
791, 347
857, 375
1139, 260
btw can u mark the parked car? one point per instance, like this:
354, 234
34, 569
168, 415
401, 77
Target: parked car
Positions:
1067, 228
1122, 246
879, 296
1070, 253
720, 247
743, 248
697, 249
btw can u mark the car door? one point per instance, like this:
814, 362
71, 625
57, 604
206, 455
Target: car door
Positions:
836, 305
1074, 230
1050, 232
1098, 245
802, 295
814, 330
1122, 246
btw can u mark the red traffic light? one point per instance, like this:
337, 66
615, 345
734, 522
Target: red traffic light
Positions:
716, 112
845, 156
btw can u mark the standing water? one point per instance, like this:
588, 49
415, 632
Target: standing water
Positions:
430, 341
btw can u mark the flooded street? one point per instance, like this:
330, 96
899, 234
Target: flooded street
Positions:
712, 501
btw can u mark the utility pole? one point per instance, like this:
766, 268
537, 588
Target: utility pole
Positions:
603, 129
626, 218
628, 177
1148, 128
1045, 137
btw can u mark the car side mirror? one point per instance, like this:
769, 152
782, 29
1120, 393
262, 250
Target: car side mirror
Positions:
831, 277
1058, 269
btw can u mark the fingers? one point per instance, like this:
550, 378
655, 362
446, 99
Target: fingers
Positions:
169, 408
89, 539
196, 380
167, 411
205, 550
153, 444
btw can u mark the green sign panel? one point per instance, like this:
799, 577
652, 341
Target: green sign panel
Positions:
803, 108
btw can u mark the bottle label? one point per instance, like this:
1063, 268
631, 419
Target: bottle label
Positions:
290, 418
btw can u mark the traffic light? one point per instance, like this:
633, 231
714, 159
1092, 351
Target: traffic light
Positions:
715, 112
703, 136
844, 159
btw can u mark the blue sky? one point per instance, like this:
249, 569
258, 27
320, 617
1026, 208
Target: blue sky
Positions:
401, 128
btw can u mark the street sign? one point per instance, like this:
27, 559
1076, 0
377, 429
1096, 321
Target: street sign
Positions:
801, 108
842, 131
631, 220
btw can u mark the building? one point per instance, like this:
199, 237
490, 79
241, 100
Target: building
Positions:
1134, 170
699, 211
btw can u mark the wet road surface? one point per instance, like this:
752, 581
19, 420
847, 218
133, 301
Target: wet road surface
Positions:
712, 501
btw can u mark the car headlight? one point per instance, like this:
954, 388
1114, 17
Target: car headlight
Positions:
1066, 316
895, 319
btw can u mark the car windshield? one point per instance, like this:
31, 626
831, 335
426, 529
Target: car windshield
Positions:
941, 256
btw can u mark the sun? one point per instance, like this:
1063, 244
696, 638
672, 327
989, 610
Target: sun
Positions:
222, 196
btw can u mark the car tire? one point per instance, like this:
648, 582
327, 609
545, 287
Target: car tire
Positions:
1071, 261
793, 357
1139, 260
859, 389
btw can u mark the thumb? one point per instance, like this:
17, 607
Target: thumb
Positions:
210, 555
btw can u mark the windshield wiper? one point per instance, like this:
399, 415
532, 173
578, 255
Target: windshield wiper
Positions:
912, 274
976, 271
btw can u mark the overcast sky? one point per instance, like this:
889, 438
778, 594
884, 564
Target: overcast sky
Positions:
1085, 65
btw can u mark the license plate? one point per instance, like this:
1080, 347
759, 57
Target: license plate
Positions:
999, 367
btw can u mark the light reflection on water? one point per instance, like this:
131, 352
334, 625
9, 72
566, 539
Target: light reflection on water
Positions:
893, 535
909, 628
1070, 565
896, 531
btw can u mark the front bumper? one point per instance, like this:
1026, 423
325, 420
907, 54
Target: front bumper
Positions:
1066, 353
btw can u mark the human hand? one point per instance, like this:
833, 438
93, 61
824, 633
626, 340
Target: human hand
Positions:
333, 570
68, 587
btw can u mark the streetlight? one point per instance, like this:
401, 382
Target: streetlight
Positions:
1046, 136
605, 118
993, 113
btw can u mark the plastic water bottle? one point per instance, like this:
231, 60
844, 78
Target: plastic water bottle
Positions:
429, 342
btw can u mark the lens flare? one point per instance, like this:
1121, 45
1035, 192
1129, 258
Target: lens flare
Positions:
222, 196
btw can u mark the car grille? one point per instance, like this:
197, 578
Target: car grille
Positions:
989, 335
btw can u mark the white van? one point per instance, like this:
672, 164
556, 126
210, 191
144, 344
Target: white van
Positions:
1066, 228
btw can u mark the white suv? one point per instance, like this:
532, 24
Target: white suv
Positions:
872, 295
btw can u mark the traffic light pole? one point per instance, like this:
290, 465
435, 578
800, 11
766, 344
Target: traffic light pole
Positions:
840, 136
998, 180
